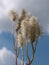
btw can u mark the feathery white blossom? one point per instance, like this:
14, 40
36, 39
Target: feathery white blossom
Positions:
34, 30
24, 28
33, 21
27, 16
13, 15
22, 15
20, 40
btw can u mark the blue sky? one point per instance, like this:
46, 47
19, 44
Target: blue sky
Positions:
42, 51
39, 8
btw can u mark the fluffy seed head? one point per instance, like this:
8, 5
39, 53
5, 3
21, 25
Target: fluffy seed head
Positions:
38, 30
13, 15
22, 15
36, 33
17, 28
24, 28
20, 40
28, 16
32, 21
34, 29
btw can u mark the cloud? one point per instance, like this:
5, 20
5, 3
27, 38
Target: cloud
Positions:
7, 57
39, 8
5, 6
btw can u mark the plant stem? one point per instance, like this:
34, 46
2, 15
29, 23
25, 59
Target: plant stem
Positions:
14, 42
22, 56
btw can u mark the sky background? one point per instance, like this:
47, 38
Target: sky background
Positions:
39, 8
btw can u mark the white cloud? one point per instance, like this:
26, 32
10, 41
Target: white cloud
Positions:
6, 5
7, 57
39, 8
